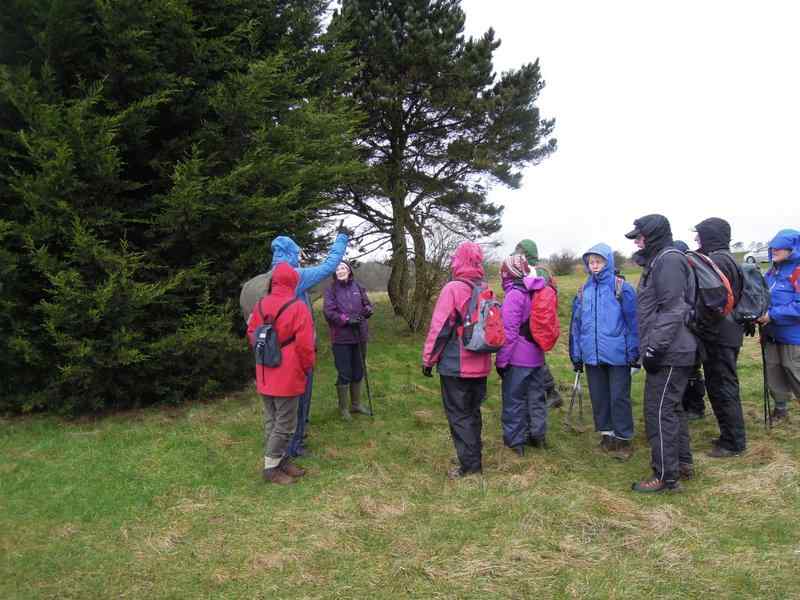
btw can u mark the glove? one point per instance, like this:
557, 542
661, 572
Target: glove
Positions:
353, 321
345, 230
651, 361
427, 371
577, 366
635, 367
501, 371
749, 328
368, 313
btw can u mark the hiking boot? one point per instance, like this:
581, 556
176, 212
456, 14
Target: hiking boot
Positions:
355, 400
654, 485
623, 449
694, 416
780, 414
540, 443
685, 471
553, 399
519, 450
342, 392
291, 469
459, 472
718, 451
607, 442
276, 475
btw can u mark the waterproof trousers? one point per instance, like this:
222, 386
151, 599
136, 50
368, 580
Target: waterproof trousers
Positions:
296, 447
722, 383
349, 363
547, 380
610, 392
462, 398
280, 422
783, 372
665, 422
524, 416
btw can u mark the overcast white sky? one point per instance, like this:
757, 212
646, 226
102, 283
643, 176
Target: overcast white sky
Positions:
690, 109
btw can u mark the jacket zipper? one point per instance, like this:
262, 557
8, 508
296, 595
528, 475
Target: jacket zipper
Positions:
596, 345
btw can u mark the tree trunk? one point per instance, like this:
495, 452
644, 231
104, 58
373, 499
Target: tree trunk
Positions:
419, 312
398, 279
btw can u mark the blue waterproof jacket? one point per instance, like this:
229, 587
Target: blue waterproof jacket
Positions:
784, 307
604, 330
284, 249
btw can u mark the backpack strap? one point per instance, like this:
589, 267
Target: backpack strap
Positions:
618, 283
794, 279
274, 320
473, 301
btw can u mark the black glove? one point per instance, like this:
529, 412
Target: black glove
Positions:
651, 360
577, 366
501, 371
749, 328
345, 230
427, 371
635, 364
354, 321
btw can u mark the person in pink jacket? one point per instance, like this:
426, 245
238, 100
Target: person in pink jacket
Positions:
462, 373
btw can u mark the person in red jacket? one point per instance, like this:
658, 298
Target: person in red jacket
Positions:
281, 386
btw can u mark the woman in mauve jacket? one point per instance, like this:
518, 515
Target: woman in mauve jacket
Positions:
347, 309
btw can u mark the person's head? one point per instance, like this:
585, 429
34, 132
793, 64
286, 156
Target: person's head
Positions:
515, 267
651, 232
529, 249
284, 278
595, 262
598, 260
284, 249
343, 272
467, 261
785, 246
713, 234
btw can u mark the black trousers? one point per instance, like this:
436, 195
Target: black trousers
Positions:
723, 392
694, 396
462, 399
349, 364
665, 422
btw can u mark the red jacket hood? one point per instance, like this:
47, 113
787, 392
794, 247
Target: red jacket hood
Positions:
284, 280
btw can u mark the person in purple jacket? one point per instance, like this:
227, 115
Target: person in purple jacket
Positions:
347, 309
519, 362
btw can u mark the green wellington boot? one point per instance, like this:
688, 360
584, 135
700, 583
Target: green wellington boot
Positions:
342, 392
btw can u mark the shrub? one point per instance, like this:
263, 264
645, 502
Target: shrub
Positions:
562, 264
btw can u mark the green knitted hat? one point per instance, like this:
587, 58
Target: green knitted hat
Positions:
529, 249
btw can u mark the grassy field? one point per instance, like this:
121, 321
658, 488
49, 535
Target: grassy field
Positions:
169, 503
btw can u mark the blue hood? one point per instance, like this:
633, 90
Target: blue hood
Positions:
284, 249
606, 275
787, 238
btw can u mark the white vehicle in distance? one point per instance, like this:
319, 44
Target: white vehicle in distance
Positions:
759, 255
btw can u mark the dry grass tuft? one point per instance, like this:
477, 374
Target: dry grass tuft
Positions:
271, 560
376, 509
165, 543
761, 484
425, 417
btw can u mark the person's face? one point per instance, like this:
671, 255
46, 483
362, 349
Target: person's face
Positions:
780, 254
596, 263
639, 241
342, 272
697, 240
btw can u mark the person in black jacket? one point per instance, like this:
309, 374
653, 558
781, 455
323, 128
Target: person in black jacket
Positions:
721, 342
665, 297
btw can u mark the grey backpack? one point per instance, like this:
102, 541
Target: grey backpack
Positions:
253, 291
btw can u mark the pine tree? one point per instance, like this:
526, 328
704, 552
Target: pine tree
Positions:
440, 128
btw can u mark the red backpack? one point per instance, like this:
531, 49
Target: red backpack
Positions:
543, 326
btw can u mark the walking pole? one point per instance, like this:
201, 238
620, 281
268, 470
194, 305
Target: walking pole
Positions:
767, 413
363, 347
576, 393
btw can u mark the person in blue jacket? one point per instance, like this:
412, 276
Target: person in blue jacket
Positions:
284, 249
604, 339
780, 325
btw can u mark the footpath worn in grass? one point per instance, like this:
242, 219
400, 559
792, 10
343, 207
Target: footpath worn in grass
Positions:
169, 503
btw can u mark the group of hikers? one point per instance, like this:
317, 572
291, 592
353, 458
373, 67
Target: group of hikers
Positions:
614, 331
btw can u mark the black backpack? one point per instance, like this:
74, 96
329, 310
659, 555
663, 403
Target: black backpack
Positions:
755, 297
267, 348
